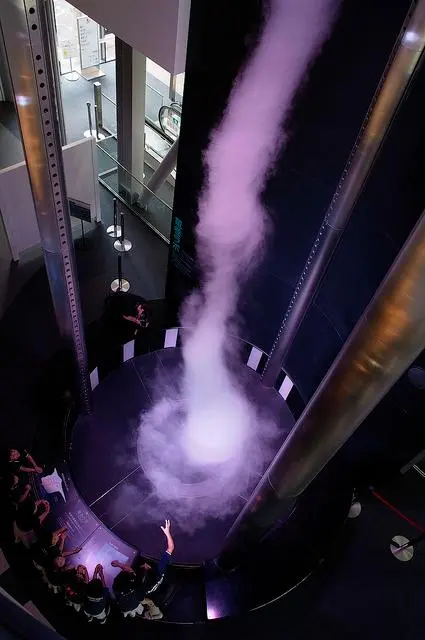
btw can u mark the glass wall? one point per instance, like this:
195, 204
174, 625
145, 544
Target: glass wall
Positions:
86, 55
73, 35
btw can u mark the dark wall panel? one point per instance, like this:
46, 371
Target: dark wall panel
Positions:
220, 35
323, 127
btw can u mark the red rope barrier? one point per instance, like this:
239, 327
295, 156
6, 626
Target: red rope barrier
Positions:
401, 515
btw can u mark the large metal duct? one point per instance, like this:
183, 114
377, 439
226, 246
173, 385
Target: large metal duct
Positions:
404, 62
24, 27
388, 337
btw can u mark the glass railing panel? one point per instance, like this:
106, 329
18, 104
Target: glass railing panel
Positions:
109, 115
106, 162
154, 101
139, 199
155, 143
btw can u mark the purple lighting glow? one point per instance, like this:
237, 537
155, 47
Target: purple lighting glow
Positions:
212, 613
208, 423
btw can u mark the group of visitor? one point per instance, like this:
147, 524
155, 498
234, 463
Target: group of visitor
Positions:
134, 588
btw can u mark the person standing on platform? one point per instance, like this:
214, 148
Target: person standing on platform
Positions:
21, 463
165, 558
126, 592
140, 319
96, 605
29, 517
75, 587
16, 492
142, 587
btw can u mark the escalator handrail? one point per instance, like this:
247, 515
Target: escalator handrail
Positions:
161, 111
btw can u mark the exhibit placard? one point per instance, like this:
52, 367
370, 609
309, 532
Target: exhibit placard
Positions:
69, 49
88, 37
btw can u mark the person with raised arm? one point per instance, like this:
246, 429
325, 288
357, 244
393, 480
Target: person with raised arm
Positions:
131, 586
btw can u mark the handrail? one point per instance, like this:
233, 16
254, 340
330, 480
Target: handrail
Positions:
176, 110
109, 99
158, 130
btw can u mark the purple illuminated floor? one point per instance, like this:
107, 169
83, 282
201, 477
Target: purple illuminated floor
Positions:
109, 476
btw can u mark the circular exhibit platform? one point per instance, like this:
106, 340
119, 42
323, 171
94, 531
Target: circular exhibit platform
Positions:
131, 473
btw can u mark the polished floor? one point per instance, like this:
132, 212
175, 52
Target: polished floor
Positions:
28, 333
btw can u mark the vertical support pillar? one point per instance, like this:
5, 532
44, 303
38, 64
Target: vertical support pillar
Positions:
404, 62
131, 89
24, 26
386, 340
172, 91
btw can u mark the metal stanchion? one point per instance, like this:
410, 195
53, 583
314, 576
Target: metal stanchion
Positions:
97, 94
114, 230
172, 90
120, 284
90, 132
122, 244
83, 243
403, 549
99, 136
72, 75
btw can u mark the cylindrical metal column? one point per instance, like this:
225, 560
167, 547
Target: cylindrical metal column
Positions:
385, 341
402, 65
26, 40
163, 170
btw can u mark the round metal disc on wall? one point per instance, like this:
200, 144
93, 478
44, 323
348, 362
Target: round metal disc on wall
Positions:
122, 246
115, 285
404, 555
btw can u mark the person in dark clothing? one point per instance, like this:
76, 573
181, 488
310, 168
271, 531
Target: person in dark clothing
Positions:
125, 590
164, 560
96, 604
140, 318
57, 575
52, 543
16, 491
48, 551
130, 588
18, 463
133, 588
29, 517
75, 587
